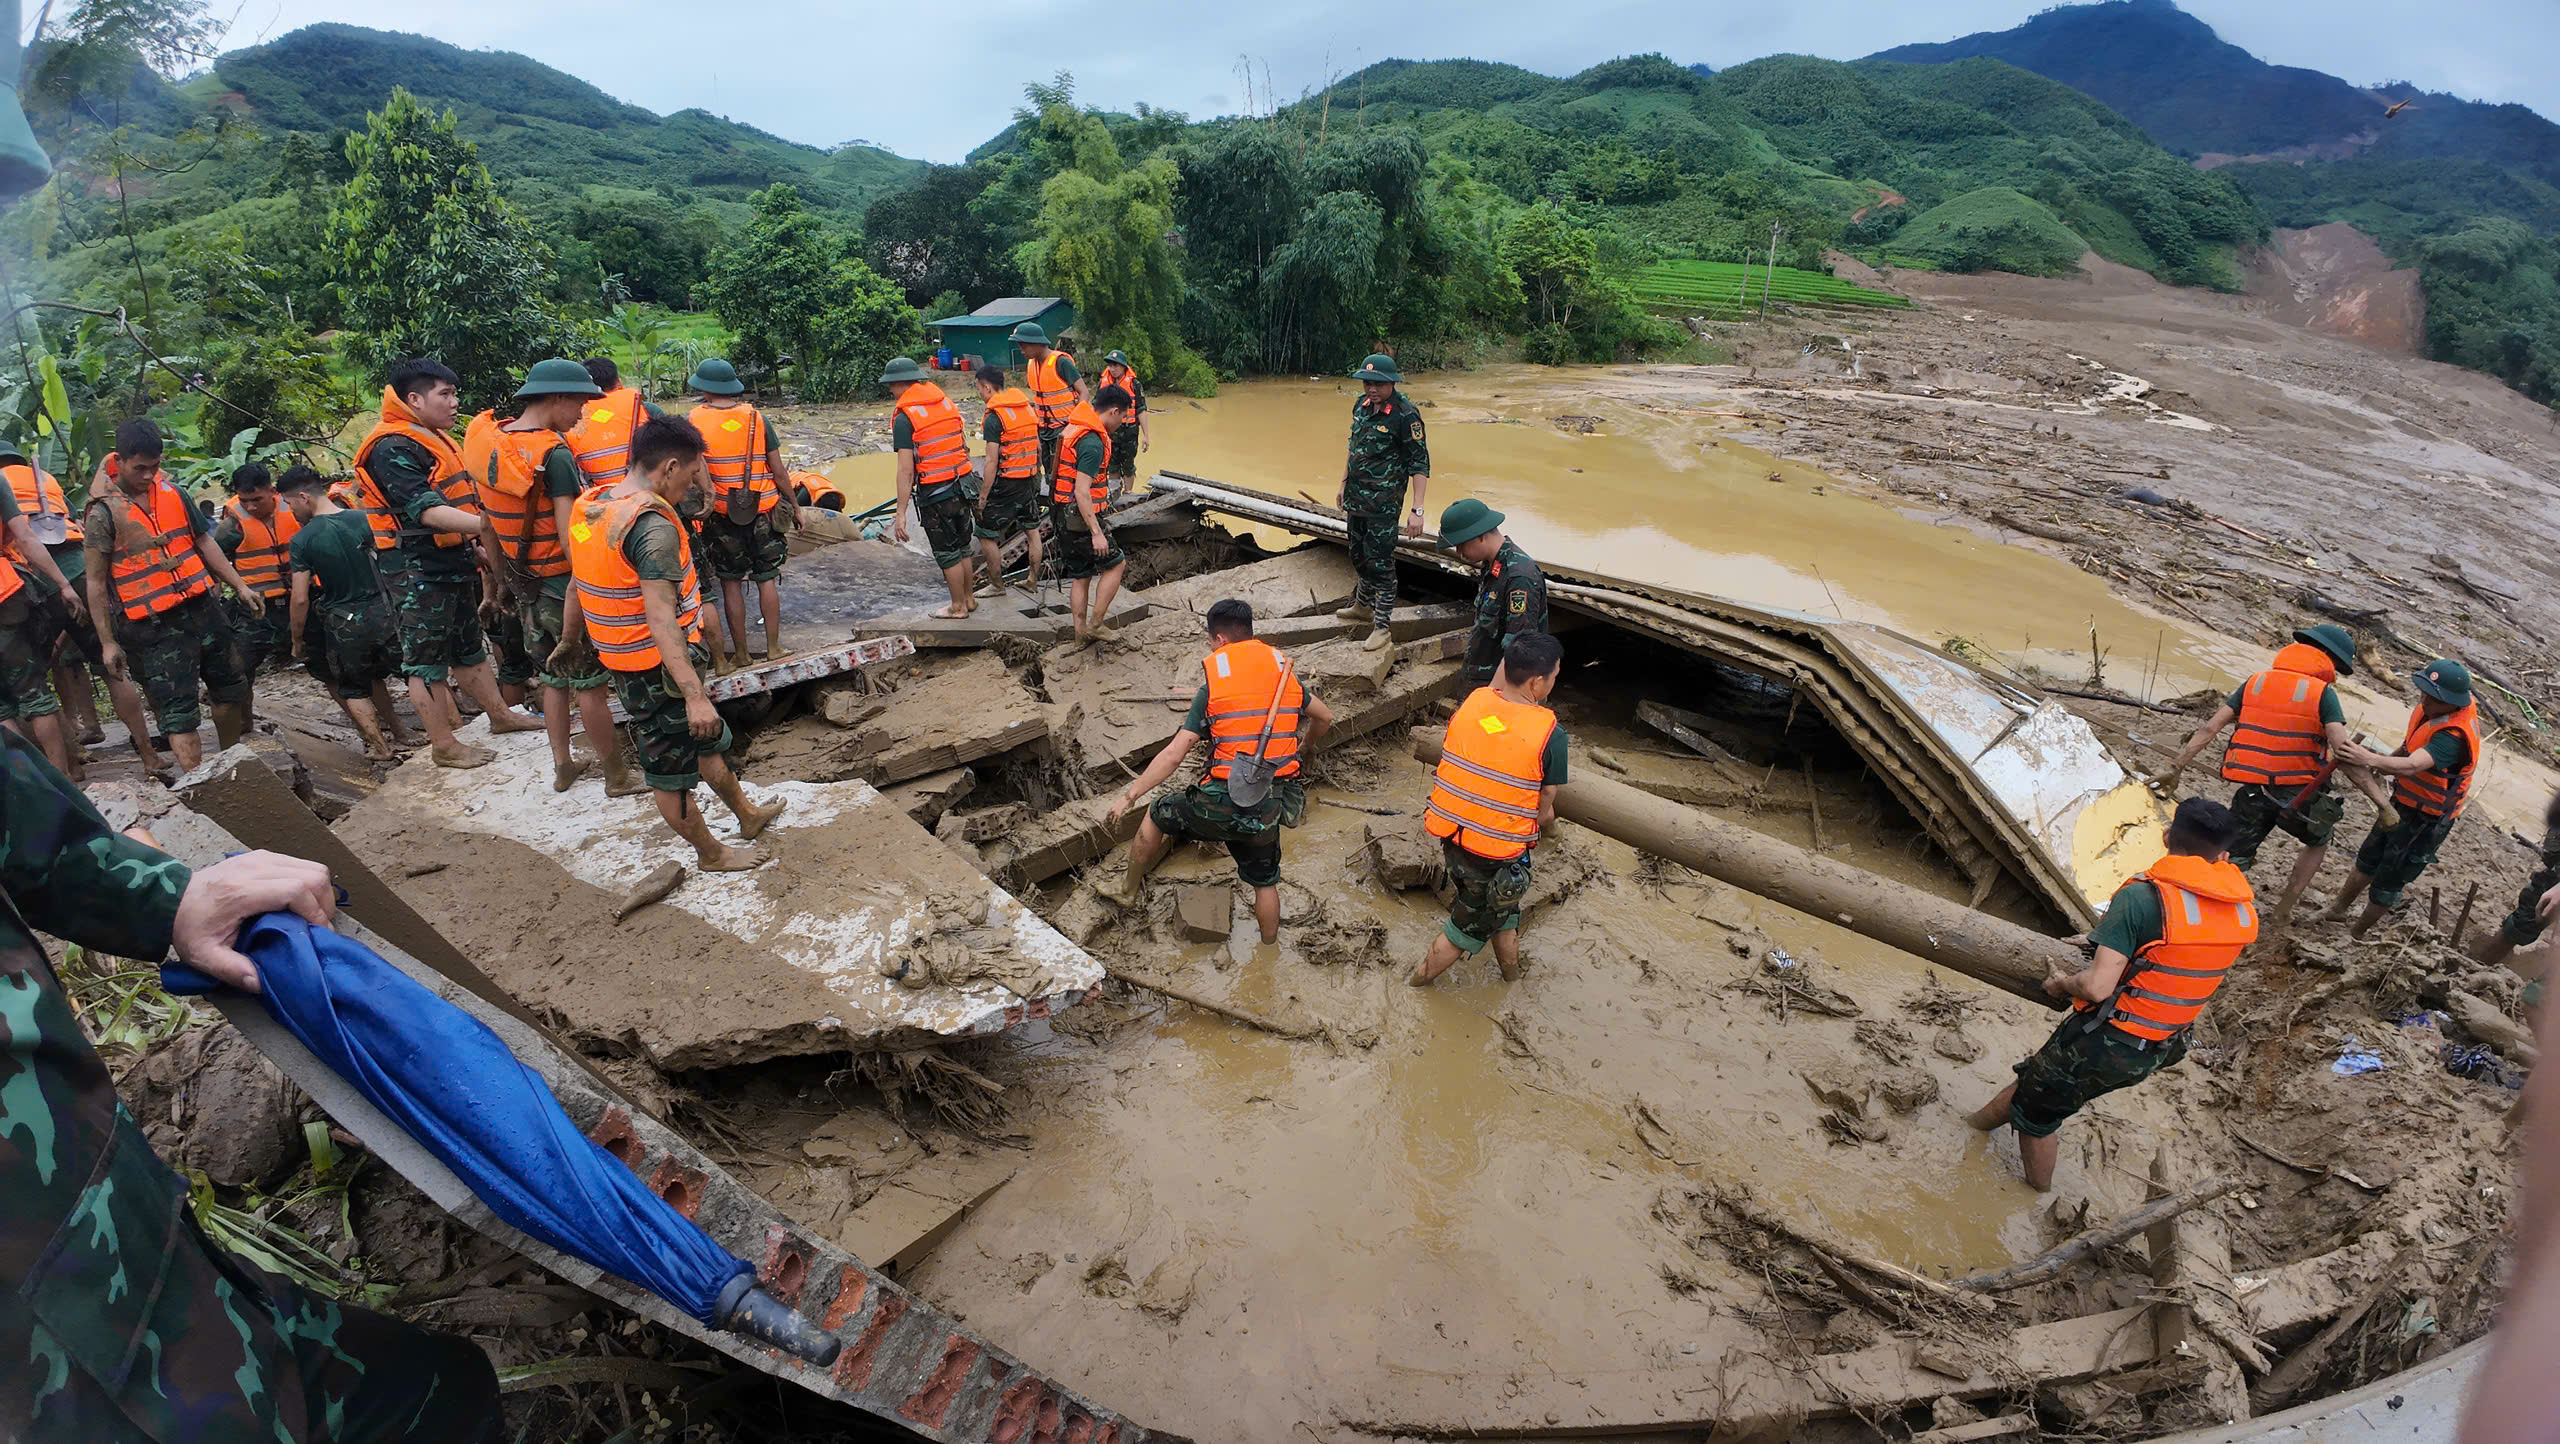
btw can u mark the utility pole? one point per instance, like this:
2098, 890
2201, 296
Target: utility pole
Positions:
1770, 278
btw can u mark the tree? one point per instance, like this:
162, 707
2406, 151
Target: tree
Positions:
929, 239
867, 321
770, 284
432, 261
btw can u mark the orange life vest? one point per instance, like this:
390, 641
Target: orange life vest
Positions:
1126, 380
1018, 444
939, 436
2279, 740
1062, 486
735, 436
506, 477
344, 493
1492, 768
813, 489
609, 585
388, 529
156, 563
2439, 793
2207, 915
602, 438
1051, 394
38, 492
10, 581
1243, 676
261, 558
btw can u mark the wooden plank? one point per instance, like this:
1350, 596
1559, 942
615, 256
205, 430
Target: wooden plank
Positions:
790, 671
1683, 728
1311, 579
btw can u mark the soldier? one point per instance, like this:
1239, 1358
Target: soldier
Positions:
151, 568
254, 532
63, 615
413, 493
1008, 477
601, 439
1133, 434
2523, 925
341, 621
1088, 560
1492, 799
1511, 593
1388, 455
28, 700
1056, 388
1247, 683
637, 601
2153, 968
120, 1319
932, 444
750, 505
2288, 728
2432, 774
527, 478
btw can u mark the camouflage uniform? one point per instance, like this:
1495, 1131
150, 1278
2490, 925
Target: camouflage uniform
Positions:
2260, 810
1013, 507
263, 639
948, 519
356, 646
542, 619
172, 650
1488, 896
118, 1318
2524, 925
751, 553
1511, 598
1204, 813
1387, 448
510, 659
26, 669
2082, 1061
439, 619
2394, 856
670, 755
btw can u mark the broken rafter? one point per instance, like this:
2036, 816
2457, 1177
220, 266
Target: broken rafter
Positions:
2051, 1263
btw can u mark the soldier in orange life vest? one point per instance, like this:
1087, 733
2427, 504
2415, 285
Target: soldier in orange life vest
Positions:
1088, 561
751, 506
932, 443
1492, 799
412, 491
59, 612
2431, 776
2288, 728
255, 532
1247, 684
526, 474
1056, 388
2168, 938
601, 439
151, 567
1135, 433
637, 599
28, 701
1008, 478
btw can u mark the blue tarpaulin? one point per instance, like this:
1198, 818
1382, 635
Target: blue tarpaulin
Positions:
442, 1075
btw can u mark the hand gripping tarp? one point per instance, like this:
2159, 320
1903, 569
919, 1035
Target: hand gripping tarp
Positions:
442, 1075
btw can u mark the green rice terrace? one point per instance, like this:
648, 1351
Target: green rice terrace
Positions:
1737, 286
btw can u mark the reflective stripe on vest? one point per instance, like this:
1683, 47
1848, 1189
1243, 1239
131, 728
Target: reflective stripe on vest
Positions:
506, 478
389, 530
1492, 769
609, 591
1018, 444
813, 489
2438, 793
156, 562
1062, 485
2207, 918
736, 455
938, 436
39, 494
601, 441
1242, 678
261, 557
1126, 380
2279, 739
1053, 396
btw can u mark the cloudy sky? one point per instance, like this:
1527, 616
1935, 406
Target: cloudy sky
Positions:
933, 81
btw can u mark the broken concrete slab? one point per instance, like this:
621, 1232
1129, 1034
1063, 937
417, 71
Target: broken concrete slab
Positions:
1203, 912
1344, 668
851, 580
1037, 617
1405, 856
899, 1225
1315, 579
788, 671
926, 798
732, 968
946, 712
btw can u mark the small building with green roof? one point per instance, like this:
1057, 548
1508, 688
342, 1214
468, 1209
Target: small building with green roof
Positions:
987, 332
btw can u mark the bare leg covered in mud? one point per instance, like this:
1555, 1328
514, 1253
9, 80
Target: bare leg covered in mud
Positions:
434, 701
1146, 850
2036, 1155
2356, 884
1444, 955
713, 855
2305, 868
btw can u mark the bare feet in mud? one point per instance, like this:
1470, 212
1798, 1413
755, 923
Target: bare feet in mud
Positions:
565, 773
460, 755
949, 614
734, 859
754, 820
622, 782
511, 720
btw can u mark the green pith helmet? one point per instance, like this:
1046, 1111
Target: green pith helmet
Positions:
1464, 520
1117, 358
2331, 638
716, 377
1380, 367
2445, 680
557, 377
1030, 334
901, 368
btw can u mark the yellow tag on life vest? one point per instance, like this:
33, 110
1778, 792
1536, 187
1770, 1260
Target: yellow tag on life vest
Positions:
732, 425
581, 531
1492, 725
601, 414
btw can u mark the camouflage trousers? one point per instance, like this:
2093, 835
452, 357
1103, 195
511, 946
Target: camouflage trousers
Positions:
510, 660
541, 620
1373, 556
947, 521
2260, 810
751, 553
265, 638
2080, 1063
1077, 560
2395, 856
26, 666
2524, 925
1204, 813
1488, 894
1124, 452
439, 616
670, 755
1013, 507
359, 646
191, 642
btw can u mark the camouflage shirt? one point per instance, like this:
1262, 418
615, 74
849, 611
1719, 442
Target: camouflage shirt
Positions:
1511, 598
1387, 448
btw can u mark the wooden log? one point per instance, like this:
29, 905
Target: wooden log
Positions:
1227, 1011
2462, 919
2052, 1262
2482, 1020
2296, 1369
1682, 727
2191, 1262
1946, 933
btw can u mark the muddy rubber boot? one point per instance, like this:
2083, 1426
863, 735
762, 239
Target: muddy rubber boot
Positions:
1356, 612
1378, 640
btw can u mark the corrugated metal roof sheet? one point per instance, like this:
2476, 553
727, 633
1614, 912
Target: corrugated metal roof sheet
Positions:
1005, 311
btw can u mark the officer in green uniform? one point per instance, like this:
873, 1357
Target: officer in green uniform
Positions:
119, 1319
2394, 857
1511, 593
341, 618
1387, 455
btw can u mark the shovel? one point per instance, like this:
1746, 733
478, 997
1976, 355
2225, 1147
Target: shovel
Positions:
1249, 776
